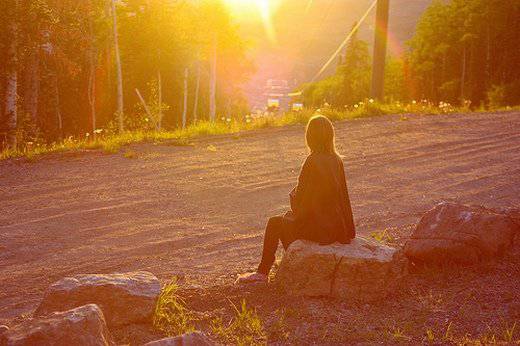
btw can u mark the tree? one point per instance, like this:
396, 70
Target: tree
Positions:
120, 103
12, 74
60, 74
463, 48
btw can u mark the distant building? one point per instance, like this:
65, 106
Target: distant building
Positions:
276, 95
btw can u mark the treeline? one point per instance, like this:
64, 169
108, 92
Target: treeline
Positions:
462, 50
61, 71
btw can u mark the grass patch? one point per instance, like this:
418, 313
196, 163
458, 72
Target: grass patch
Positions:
245, 328
383, 237
113, 142
172, 317
504, 335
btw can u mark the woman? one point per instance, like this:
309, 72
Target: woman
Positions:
320, 203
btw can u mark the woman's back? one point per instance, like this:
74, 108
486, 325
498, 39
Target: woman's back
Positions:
323, 211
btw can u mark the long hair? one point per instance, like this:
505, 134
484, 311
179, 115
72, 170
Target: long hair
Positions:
319, 135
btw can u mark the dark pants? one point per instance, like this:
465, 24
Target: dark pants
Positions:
279, 228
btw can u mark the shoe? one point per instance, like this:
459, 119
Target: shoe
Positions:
251, 278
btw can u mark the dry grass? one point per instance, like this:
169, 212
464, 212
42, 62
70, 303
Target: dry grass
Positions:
245, 328
172, 317
112, 143
449, 306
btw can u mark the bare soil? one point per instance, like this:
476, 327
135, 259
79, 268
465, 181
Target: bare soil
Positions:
199, 213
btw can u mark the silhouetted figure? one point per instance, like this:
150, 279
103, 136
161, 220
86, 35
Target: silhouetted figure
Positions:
320, 204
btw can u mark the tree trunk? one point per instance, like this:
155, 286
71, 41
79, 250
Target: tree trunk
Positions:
92, 80
12, 78
463, 77
488, 54
32, 86
120, 104
197, 90
185, 108
159, 82
57, 110
444, 64
213, 80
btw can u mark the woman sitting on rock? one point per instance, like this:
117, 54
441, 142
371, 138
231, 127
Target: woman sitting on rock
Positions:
320, 203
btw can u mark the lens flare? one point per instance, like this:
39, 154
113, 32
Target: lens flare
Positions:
263, 8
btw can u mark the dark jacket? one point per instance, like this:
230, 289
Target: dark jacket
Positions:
320, 203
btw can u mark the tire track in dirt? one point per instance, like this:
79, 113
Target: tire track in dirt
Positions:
200, 214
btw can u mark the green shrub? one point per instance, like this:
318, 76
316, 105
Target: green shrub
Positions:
496, 96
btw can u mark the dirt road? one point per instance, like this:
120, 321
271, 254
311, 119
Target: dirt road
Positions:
200, 214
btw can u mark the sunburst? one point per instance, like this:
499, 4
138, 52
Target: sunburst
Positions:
263, 7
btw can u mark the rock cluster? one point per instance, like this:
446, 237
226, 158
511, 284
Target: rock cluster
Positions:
124, 298
82, 326
74, 309
79, 310
459, 234
358, 270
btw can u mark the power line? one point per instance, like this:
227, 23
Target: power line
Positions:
344, 43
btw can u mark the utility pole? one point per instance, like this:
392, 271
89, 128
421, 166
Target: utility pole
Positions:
380, 44
120, 105
213, 80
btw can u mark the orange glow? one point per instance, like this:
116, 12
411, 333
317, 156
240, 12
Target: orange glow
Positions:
262, 8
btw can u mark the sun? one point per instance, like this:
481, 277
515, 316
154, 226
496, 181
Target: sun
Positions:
263, 8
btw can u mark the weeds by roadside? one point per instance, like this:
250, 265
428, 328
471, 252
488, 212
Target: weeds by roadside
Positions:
172, 317
246, 328
112, 142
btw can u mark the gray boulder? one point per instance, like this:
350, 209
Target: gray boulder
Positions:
82, 326
124, 298
188, 339
359, 270
460, 234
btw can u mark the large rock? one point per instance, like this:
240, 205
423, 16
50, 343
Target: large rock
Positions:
124, 298
359, 270
454, 233
189, 339
82, 326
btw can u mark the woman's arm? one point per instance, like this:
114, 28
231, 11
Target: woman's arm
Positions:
349, 216
300, 196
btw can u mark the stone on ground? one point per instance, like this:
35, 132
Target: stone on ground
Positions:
359, 270
189, 339
124, 298
454, 233
82, 326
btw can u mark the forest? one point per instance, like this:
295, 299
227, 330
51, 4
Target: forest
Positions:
80, 68
72, 67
